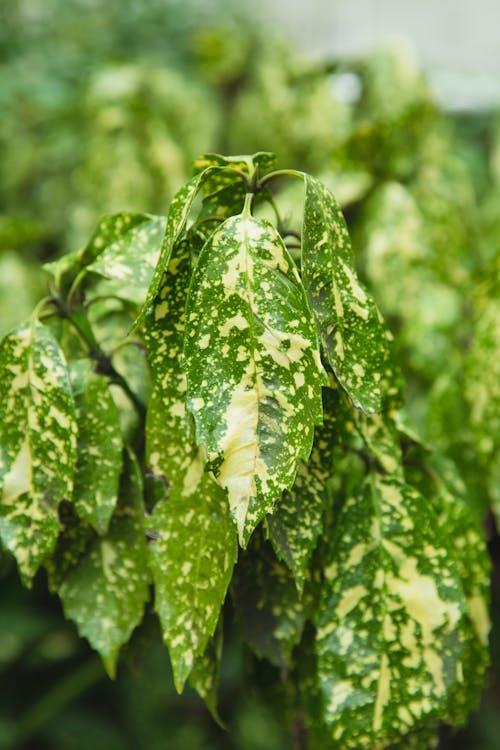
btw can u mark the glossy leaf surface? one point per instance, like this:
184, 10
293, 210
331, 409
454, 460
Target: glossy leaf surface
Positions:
253, 369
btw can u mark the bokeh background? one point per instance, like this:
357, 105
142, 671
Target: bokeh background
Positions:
396, 106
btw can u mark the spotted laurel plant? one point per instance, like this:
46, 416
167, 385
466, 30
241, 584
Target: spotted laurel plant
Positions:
209, 404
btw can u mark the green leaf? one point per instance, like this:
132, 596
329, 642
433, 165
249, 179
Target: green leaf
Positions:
437, 477
100, 445
192, 555
297, 522
356, 342
270, 611
194, 541
169, 445
382, 440
264, 161
176, 221
130, 255
115, 234
104, 592
253, 368
390, 625
37, 443
204, 677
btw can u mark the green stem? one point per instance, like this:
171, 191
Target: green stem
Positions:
55, 699
247, 208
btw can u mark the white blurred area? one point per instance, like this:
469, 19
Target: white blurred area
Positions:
457, 42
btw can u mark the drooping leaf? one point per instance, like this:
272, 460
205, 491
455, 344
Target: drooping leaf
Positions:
105, 591
356, 342
390, 639
193, 550
269, 609
169, 446
37, 443
100, 445
204, 677
253, 368
192, 555
128, 261
297, 522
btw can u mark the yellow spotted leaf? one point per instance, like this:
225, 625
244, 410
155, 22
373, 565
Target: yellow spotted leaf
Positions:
37, 443
391, 623
356, 342
104, 585
193, 540
253, 369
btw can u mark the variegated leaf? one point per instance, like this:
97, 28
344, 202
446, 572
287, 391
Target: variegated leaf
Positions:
356, 342
128, 259
111, 232
264, 161
381, 436
37, 443
390, 626
170, 449
204, 677
253, 368
100, 445
192, 555
270, 611
297, 522
105, 591
437, 477
176, 221
193, 550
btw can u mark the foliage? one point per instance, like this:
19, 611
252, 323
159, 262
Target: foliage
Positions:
260, 410
102, 111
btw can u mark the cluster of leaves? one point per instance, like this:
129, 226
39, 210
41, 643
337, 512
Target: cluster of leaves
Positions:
211, 402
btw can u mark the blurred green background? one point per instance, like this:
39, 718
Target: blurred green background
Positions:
103, 107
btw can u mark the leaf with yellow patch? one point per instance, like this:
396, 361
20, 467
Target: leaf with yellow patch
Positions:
192, 554
104, 591
391, 622
100, 445
357, 344
253, 368
193, 549
128, 261
297, 522
37, 443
